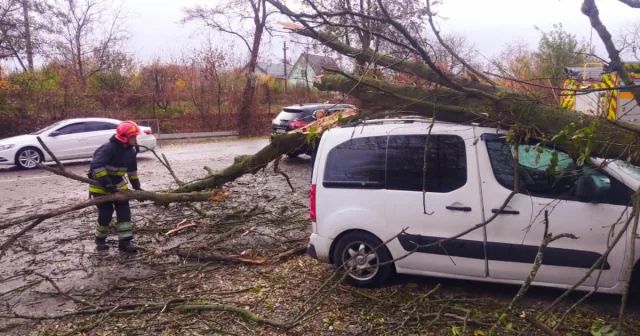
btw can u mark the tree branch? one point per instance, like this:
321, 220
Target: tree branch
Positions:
447, 82
453, 53
590, 9
368, 55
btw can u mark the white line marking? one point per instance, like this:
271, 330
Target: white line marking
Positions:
25, 179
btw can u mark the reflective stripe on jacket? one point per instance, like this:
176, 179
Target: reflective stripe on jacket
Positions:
110, 163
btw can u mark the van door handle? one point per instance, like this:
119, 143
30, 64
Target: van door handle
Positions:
458, 208
506, 212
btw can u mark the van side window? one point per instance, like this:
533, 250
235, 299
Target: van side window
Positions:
356, 164
446, 163
562, 183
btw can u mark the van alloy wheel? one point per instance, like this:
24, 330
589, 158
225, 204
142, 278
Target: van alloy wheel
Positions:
366, 267
361, 261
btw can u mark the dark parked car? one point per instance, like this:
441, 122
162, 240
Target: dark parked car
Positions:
297, 116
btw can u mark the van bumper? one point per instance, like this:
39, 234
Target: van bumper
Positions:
319, 247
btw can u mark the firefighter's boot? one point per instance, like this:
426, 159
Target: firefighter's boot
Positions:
125, 246
101, 244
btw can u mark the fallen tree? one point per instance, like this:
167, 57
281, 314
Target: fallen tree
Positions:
278, 146
462, 100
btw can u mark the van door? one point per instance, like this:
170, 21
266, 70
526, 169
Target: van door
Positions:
514, 236
450, 205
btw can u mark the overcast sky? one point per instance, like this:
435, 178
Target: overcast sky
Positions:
156, 30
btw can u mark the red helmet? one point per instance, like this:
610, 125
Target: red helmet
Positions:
127, 129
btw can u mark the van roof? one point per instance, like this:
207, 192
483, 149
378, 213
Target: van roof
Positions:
417, 120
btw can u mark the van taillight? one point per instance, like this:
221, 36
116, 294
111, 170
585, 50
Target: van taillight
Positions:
312, 211
148, 132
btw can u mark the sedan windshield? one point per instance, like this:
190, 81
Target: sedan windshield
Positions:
47, 128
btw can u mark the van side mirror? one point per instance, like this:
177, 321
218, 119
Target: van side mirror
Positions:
54, 134
591, 187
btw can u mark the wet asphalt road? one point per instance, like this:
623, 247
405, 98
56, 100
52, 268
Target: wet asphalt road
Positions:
27, 191
23, 192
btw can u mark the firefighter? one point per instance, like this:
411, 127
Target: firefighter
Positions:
110, 163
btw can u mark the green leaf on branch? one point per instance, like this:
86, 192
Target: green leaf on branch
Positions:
553, 162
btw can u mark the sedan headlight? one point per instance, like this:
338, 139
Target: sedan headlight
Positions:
5, 147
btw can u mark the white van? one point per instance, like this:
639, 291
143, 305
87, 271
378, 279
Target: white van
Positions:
367, 187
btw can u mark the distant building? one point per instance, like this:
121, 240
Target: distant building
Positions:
307, 67
275, 70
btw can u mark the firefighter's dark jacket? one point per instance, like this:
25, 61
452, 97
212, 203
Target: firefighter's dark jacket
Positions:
110, 163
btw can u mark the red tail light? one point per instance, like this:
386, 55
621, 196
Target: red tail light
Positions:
148, 132
312, 210
297, 124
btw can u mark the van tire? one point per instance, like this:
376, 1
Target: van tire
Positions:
358, 244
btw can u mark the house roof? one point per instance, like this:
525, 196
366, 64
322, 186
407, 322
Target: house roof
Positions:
317, 62
273, 69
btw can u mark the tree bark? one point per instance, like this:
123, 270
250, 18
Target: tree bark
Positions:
280, 144
248, 94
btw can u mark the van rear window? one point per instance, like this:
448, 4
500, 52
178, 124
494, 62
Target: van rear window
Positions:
357, 163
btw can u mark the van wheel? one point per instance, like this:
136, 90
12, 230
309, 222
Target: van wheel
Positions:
293, 155
355, 250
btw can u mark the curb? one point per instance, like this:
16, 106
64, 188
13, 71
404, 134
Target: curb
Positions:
200, 135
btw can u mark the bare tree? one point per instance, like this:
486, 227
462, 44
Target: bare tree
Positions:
9, 10
85, 42
207, 88
461, 46
220, 19
629, 41
356, 23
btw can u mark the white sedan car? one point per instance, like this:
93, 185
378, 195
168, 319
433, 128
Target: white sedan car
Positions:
69, 139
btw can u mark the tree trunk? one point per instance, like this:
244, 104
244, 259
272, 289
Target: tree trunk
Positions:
81, 78
248, 95
280, 144
27, 34
613, 139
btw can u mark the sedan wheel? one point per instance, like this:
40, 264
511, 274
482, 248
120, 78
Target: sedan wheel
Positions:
29, 158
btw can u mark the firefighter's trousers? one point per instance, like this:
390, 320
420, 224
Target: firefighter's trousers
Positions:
123, 217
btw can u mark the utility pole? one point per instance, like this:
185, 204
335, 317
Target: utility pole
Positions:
27, 34
286, 79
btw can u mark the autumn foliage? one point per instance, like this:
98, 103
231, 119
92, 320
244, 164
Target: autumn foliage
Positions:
197, 96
